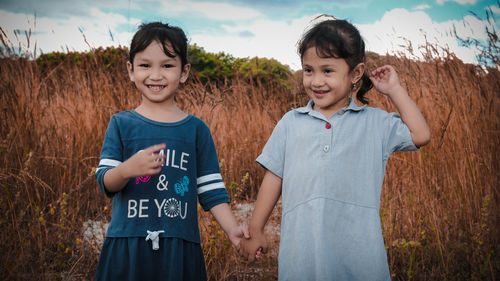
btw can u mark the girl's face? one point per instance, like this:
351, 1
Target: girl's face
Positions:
327, 81
156, 75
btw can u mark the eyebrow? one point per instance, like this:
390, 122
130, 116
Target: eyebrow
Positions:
321, 66
168, 59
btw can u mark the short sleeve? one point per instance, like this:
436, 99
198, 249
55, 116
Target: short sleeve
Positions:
272, 157
210, 186
111, 153
397, 135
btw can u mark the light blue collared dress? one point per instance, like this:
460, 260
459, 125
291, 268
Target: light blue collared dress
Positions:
333, 171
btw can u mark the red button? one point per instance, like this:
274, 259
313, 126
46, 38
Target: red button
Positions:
328, 125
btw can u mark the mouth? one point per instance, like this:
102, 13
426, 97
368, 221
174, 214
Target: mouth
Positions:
156, 88
319, 94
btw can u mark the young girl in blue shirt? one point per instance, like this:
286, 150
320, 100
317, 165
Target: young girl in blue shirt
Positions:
327, 160
156, 163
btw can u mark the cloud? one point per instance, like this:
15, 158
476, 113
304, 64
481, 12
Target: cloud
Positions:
255, 35
246, 33
61, 34
56, 8
211, 10
421, 7
391, 34
461, 2
272, 39
397, 28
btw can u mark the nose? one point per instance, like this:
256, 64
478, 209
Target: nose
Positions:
155, 74
317, 80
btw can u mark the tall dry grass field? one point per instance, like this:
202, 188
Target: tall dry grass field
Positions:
439, 206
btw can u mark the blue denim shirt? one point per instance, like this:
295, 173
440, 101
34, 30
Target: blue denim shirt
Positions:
333, 170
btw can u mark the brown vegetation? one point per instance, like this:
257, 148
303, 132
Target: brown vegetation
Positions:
439, 206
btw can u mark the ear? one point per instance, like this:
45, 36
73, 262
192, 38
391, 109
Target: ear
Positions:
185, 73
357, 72
130, 71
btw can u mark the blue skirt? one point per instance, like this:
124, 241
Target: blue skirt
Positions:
132, 259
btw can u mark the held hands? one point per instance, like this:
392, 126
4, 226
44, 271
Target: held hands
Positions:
385, 79
252, 248
237, 234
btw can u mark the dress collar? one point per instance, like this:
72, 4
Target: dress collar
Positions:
352, 107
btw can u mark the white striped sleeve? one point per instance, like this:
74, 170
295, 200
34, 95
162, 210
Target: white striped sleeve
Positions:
106, 163
209, 182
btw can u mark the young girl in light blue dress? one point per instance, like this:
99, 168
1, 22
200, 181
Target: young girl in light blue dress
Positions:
157, 163
327, 160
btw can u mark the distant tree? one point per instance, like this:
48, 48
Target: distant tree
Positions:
264, 70
210, 66
111, 57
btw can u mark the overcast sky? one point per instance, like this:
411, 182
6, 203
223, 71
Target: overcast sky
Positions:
246, 28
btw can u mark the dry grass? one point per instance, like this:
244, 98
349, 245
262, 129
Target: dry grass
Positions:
440, 205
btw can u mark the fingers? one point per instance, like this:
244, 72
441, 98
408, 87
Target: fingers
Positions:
149, 161
246, 233
156, 151
250, 258
249, 251
258, 254
383, 71
155, 148
264, 248
378, 73
243, 253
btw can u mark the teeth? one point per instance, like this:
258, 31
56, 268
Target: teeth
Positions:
156, 88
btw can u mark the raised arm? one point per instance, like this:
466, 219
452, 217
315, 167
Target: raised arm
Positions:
385, 79
269, 193
146, 162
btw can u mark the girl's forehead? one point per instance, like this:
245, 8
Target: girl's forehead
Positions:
166, 45
312, 58
324, 51
318, 54
157, 49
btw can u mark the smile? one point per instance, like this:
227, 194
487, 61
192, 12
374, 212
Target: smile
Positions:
156, 88
320, 94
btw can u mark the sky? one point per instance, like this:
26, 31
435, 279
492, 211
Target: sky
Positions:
245, 28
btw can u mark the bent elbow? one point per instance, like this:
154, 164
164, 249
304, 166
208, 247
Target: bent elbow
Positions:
422, 139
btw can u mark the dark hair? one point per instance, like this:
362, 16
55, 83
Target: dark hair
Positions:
164, 34
338, 39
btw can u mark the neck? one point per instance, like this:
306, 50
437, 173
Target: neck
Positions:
161, 113
329, 111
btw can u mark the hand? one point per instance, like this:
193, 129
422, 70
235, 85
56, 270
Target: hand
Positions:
385, 79
237, 234
146, 162
252, 248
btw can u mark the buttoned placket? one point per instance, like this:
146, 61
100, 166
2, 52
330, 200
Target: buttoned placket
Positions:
327, 137
330, 126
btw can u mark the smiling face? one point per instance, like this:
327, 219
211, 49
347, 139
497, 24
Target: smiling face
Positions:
157, 75
327, 81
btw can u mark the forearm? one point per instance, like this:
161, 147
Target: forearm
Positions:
223, 215
267, 197
143, 163
114, 179
411, 116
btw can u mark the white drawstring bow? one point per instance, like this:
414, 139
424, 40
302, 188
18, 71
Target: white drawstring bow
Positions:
154, 236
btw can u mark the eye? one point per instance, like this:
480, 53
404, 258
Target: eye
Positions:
168, 65
144, 65
327, 71
307, 70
